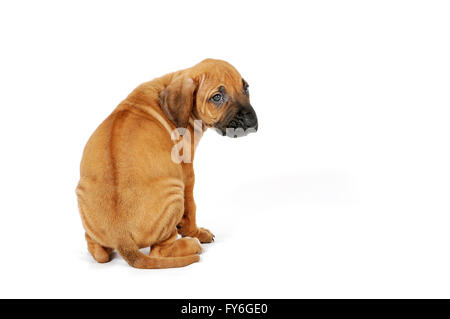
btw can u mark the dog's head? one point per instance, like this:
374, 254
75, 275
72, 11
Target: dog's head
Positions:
212, 91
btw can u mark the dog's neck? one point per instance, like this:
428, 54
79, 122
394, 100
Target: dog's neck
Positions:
142, 99
195, 126
196, 129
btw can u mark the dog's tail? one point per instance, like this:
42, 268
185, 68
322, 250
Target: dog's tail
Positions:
130, 252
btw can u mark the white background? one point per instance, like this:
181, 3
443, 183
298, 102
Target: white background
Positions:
343, 192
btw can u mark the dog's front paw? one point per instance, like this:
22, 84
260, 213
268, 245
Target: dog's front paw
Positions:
204, 235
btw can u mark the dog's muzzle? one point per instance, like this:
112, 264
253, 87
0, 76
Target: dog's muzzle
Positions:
242, 123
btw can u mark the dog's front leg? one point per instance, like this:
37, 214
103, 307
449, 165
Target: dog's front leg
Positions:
188, 225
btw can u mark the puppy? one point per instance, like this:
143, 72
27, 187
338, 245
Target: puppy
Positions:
137, 179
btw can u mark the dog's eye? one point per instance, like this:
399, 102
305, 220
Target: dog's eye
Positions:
217, 98
245, 87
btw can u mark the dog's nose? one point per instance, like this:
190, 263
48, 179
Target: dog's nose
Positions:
243, 123
250, 119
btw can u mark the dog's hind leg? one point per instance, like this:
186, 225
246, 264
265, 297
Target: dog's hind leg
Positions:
174, 247
101, 254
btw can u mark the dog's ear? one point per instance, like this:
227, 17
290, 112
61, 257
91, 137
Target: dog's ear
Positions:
177, 100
